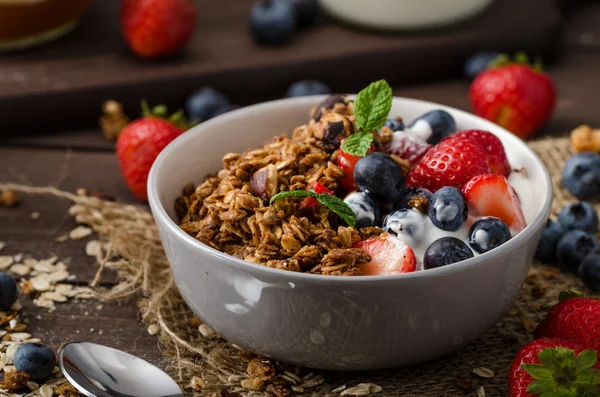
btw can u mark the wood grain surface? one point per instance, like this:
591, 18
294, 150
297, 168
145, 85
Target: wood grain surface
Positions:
66, 81
81, 158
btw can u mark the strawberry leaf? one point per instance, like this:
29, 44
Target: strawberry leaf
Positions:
586, 360
571, 293
372, 106
358, 144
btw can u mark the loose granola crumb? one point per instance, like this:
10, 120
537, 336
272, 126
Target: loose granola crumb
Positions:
14, 380
9, 198
260, 368
113, 120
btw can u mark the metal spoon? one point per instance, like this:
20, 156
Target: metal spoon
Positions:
101, 371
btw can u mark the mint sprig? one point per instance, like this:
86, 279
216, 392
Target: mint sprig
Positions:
358, 144
371, 109
330, 201
372, 106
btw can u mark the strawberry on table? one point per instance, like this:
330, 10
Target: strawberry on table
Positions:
492, 195
452, 162
554, 367
515, 95
493, 148
153, 28
575, 318
142, 140
389, 255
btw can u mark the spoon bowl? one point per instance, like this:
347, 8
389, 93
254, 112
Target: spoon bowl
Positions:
101, 371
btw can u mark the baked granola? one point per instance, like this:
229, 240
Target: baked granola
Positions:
230, 211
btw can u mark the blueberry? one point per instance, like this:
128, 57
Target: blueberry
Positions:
407, 224
415, 197
478, 62
272, 21
445, 251
35, 359
203, 104
580, 216
581, 175
306, 12
395, 124
448, 208
225, 109
546, 250
488, 233
365, 209
433, 126
573, 247
380, 176
589, 272
306, 88
8, 291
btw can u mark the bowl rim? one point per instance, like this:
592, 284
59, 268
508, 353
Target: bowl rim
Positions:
161, 215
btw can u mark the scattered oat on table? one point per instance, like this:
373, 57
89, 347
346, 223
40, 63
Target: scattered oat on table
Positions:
483, 372
35, 215
80, 232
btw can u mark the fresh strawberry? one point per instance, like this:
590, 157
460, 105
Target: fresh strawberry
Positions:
491, 145
451, 163
157, 27
407, 146
140, 143
389, 255
515, 95
347, 162
317, 188
554, 367
574, 318
492, 195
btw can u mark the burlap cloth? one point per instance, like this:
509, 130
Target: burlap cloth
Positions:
141, 263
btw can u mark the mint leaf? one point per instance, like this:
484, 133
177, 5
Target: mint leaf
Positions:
358, 144
338, 206
292, 193
372, 106
330, 201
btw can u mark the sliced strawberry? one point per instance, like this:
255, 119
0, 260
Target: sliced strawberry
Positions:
389, 254
346, 162
317, 188
492, 195
407, 146
452, 162
491, 145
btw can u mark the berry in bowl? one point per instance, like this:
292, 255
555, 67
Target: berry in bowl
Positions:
347, 245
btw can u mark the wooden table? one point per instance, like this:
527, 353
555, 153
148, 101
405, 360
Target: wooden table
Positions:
75, 159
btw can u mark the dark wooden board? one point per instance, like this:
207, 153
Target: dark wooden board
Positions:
61, 85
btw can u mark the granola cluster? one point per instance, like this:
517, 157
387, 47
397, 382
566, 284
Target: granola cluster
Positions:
230, 211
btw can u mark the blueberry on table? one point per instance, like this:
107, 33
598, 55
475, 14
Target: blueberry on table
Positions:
580, 216
272, 21
445, 251
306, 12
546, 250
589, 272
365, 209
203, 103
35, 359
488, 233
306, 88
8, 291
433, 126
380, 176
225, 109
573, 247
478, 62
415, 197
581, 175
404, 223
448, 208
395, 124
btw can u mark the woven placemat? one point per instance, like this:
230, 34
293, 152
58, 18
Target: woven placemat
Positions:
205, 364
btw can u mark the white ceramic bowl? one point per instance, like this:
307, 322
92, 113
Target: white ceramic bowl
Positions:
404, 14
345, 323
